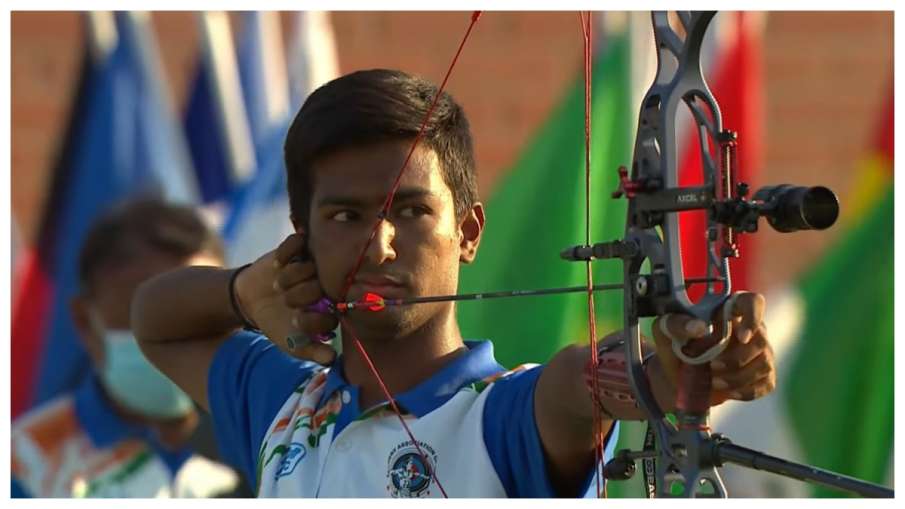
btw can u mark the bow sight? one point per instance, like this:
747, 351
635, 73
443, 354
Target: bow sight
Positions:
681, 458
789, 208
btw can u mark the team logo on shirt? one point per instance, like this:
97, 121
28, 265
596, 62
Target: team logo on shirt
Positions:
292, 455
408, 475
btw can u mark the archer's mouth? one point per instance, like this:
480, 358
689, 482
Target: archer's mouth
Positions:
386, 287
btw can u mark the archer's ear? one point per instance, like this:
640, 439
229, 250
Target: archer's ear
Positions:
471, 228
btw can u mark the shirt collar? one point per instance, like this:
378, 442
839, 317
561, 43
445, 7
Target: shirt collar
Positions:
475, 364
98, 418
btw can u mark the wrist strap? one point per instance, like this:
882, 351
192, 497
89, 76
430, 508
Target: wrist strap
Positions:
247, 324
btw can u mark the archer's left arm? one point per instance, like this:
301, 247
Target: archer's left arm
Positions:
564, 406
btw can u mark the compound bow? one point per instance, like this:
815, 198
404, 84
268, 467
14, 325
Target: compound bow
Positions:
686, 454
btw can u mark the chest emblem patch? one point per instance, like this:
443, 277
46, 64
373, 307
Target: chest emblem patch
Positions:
407, 474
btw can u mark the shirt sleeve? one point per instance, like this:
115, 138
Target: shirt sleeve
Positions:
249, 381
513, 442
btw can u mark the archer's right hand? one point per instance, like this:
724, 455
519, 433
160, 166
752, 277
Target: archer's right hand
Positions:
275, 292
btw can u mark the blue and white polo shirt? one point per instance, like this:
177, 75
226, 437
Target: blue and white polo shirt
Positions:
297, 431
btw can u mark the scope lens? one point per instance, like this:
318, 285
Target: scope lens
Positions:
793, 208
819, 208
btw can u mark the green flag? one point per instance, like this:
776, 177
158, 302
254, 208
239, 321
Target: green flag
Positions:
539, 209
840, 399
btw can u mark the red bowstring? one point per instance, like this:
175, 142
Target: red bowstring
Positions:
585, 22
381, 217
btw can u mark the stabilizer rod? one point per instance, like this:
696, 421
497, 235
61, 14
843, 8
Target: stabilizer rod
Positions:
727, 452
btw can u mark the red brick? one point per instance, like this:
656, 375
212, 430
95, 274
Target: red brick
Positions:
826, 76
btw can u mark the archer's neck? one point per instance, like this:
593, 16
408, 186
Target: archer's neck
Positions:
405, 361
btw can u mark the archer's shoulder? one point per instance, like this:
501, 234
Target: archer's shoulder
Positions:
504, 376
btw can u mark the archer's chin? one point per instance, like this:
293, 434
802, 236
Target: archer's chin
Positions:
383, 325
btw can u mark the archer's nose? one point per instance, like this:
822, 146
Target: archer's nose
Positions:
381, 249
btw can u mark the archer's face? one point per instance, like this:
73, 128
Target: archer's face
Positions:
416, 251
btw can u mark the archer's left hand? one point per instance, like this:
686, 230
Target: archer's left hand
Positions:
745, 370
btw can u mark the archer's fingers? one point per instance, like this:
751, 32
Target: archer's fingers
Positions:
677, 326
291, 247
314, 323
304, 347
756, 390
738, 355
748, 375
295, 273
749, 308
303, 294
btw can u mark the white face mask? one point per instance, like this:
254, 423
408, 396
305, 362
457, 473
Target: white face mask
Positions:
135, 383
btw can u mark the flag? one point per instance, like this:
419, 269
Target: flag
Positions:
121, 140
313, 59
14, 250
216, 122
832, 335
262, 73
259, 219
735, 76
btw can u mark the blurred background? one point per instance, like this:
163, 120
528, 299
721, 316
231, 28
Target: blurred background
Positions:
194, 106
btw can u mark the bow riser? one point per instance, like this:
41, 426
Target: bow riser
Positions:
655, 167
681, 451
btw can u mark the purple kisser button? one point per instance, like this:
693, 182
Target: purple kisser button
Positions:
324, 306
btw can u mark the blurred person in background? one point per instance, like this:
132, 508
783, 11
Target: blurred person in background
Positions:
127, 431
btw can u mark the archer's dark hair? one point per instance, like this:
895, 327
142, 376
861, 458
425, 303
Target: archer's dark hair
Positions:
125, 231
373, 106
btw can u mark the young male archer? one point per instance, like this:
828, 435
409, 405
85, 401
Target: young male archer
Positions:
303, 429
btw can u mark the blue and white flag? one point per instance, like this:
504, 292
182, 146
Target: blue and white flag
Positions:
216, 122
259, 219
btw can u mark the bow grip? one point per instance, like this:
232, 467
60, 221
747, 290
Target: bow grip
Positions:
694, 383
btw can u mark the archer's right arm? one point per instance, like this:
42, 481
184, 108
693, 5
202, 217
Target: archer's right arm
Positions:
181, 317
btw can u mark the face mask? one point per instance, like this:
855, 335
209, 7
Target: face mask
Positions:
135, 383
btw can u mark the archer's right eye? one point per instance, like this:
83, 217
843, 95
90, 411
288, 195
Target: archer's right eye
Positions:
344, 216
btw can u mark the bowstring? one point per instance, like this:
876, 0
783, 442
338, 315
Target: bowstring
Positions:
585, 22
380, 219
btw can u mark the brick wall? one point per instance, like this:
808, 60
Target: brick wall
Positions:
827, 75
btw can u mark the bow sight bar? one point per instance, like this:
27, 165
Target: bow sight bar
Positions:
683, 458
